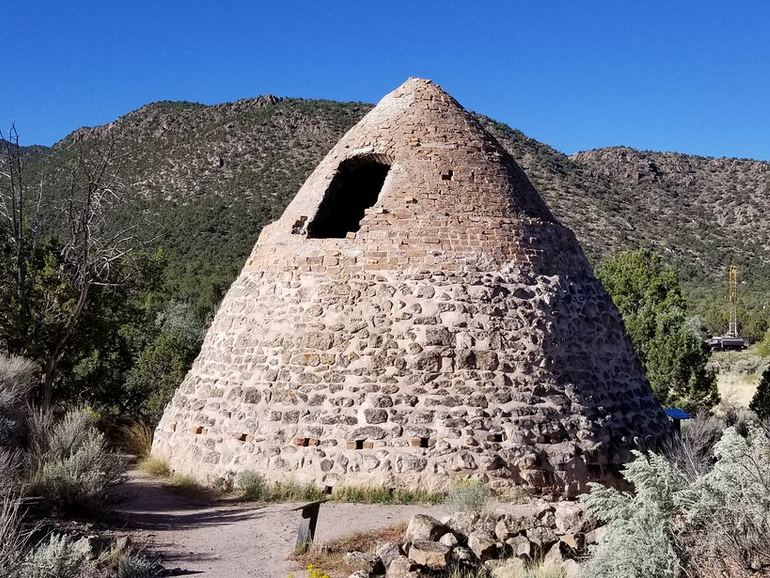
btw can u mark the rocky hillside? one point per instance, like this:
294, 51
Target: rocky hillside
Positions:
704, 211
209, 177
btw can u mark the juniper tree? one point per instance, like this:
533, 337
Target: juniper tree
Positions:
648, 295
760, 403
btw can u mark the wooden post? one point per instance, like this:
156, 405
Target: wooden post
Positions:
306, 530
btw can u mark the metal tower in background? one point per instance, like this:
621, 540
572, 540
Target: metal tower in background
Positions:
732, 300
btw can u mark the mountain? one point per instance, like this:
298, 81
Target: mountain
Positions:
207, 178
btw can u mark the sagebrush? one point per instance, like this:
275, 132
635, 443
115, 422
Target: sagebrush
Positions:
689, 516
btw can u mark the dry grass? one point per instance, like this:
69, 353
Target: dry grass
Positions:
136, 439
254, 487
515, 568
381, 495
181, 483
737, 388
190, 487
738, 374
331, 555
154, 466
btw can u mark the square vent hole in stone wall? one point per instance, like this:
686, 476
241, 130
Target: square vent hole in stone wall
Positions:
360, 444
420, 442
354, 188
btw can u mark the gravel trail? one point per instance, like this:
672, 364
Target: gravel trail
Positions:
232, 540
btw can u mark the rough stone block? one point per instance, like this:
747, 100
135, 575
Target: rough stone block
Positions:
423, 527
433, 555
483, 545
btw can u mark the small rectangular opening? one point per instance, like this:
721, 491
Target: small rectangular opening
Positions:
199, 430
448, 175
359, 444
328, 490
496, 437
242, 437
424, 442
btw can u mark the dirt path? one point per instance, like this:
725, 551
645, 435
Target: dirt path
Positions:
231, 540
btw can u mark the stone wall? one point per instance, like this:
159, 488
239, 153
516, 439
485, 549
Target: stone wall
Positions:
459, 333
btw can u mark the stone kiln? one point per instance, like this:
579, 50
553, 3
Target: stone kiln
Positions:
416, 315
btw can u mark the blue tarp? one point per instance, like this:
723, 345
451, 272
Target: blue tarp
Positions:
676, 413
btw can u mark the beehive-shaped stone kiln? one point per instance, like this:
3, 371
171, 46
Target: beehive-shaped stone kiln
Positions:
417, 315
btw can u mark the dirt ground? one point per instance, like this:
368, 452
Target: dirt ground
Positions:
232, 540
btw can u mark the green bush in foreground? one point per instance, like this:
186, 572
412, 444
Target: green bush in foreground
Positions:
252, 485
255, 487
382, 495
710, 522
57, 556
75, 467
763, 347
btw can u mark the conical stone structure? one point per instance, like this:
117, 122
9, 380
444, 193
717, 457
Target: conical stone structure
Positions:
416, 315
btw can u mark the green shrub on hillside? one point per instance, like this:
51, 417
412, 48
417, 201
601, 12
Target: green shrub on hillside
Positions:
161, 367
763, 347
649, 297
760, 403
17, 377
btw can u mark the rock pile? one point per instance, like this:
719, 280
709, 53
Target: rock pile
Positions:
556, 533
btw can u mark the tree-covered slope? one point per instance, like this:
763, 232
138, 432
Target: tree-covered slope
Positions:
207, 178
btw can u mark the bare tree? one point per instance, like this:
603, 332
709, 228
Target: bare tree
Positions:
92, 245
22, 229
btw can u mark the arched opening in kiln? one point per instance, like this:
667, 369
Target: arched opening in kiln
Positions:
354, 188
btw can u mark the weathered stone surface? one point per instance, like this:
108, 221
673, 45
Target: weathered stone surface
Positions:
462, 555
483, 545
370, 563
400, 567
571, 569
576, 541
422, 527
542, 537
520, 547
558, 553
388, 552
433, 555
509, 526
570, 517
449, 539
457, 293
462, 523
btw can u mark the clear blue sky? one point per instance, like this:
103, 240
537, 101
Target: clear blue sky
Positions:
691, 76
